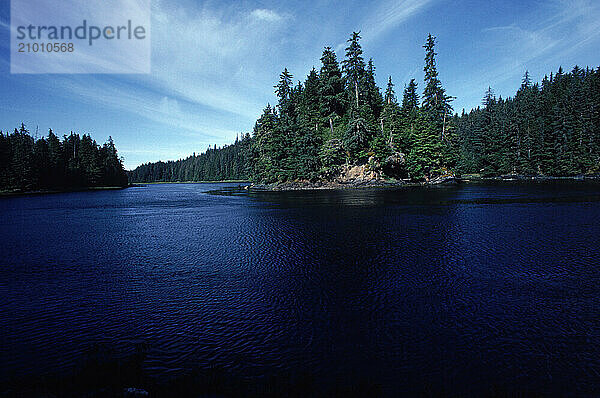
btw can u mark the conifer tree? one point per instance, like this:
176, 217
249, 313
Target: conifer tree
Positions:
332, 94
353, 67
339, 116
390, 94
372, 95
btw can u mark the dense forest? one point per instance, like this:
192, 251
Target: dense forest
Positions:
29, 164
216, 164
548, 129
339, 117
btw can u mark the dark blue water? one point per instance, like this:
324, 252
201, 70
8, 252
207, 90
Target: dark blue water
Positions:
474, 289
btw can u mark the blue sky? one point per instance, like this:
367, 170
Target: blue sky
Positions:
214, 63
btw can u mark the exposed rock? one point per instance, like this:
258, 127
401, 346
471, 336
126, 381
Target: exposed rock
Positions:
357, 174
369, 175
444, 179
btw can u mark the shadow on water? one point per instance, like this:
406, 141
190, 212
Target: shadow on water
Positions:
468, 290
105, 373
472, 193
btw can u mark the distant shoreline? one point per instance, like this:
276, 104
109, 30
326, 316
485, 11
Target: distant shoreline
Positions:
324, 185
11, 194
188, 182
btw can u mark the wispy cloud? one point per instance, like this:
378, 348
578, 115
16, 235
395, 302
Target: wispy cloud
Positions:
572, 24
267, 15
519, 45
386, 16
213, 67
565, 28
390, 14
167, 111
212, 73
212, 46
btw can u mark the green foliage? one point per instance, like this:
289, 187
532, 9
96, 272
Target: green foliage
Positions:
331, 95
332, 156
28, 164
410, 100
339, 116
373, 97
356, 139
548, 129
353, 67
231, 162
284, 88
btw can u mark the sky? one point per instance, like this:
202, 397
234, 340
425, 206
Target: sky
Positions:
214, 63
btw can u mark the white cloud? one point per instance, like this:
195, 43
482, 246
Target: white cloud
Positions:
210, 46
164, 110
572, 24
389, 15
385, 17
170, 106
264, 14
566, 26
196, 84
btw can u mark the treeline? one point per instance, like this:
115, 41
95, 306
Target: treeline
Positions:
548, 129
216, 164
28, 164
339, 117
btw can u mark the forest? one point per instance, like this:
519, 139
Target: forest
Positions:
339, 116
216, 164
29, 163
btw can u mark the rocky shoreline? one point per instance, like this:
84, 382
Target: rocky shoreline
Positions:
342, 185
378, 183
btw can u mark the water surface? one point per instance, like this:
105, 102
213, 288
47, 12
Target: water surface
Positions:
473, 289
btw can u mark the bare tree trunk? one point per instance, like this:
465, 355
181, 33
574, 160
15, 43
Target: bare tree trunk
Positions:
528, 142
518, 145
356, 92
331, 126
444, 128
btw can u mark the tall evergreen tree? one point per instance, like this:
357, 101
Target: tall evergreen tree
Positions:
339, 116
436, 104
372, 95
390, 94
353, 67
332, 94
284, 89
410, 98
31, 163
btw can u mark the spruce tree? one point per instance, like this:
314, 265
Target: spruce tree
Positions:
332, 94
353, 67
372, 95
